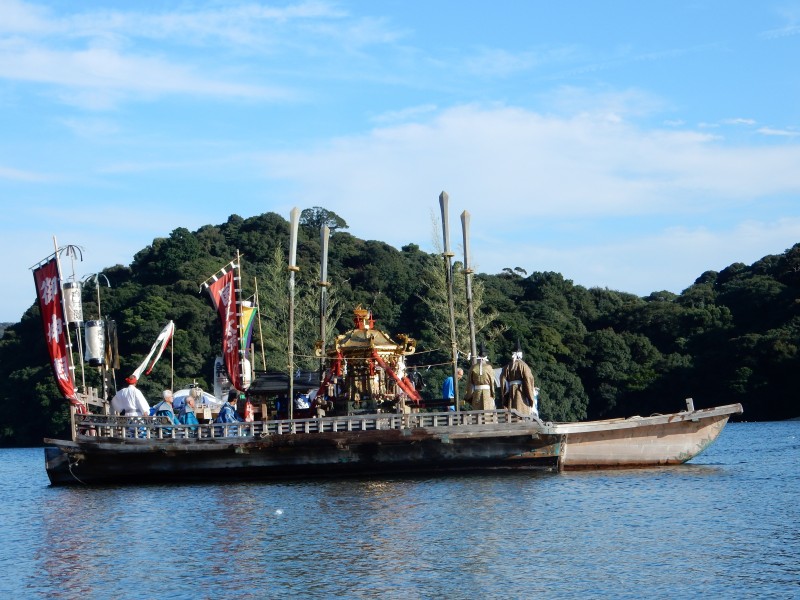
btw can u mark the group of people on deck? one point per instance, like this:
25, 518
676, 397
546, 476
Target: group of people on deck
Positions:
517, 390
130, 402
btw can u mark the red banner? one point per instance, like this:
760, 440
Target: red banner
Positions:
223, 294
48, 292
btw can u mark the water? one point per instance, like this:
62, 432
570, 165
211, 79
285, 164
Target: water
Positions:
723, 526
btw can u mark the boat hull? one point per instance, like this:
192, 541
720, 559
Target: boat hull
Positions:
296, 456
641, 442
109, 450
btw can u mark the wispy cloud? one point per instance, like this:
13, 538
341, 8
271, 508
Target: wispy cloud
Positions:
791, 23
400, 116
11, 174
101, 70
236, 23
778, 132
739, 121
99, 58
498, 62
537, 166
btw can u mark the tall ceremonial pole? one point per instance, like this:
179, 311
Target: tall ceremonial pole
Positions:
448, 263
237, 288
468, 281
70, 358
260, 332
294, 220
324, 234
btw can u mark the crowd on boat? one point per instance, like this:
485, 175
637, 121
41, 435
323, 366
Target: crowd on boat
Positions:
516, 391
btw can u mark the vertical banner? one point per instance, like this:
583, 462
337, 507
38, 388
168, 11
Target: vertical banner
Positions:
223, 294
48, 293
248, 319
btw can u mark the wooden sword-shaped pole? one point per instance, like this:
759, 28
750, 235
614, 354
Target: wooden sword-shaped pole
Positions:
448, 264
294, 219
468, 281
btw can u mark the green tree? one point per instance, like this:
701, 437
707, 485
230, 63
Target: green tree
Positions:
312, 219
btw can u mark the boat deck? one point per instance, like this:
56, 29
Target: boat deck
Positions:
95, 427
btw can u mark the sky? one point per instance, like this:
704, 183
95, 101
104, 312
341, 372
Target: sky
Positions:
626, 145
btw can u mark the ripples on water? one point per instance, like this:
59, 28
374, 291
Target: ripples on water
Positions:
724, 525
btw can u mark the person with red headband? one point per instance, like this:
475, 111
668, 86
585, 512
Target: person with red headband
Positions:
130, 401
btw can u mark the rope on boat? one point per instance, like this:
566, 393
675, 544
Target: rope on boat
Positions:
70, 464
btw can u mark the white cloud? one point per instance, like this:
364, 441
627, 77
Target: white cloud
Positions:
739, 121
12, 174
96, 59
778, 132
538, 166
403, 115
97, 70
527, 179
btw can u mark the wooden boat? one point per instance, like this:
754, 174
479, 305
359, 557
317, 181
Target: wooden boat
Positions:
370, 420
131, 450
641, 441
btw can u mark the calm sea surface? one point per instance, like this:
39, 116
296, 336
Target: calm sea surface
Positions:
723, 526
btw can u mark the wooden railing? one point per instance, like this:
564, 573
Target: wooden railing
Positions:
159, 428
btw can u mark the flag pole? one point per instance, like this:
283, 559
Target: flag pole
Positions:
172, 362
70, 358
294, 217
237, 288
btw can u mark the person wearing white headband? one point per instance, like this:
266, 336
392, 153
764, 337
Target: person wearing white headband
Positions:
517, 386
480, 384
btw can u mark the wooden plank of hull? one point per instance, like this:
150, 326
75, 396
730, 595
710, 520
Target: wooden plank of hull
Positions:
298, 455
644, 445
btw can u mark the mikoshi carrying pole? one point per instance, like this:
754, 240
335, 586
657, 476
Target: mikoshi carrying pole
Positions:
448, 263
294, 219
468, 281
324, 234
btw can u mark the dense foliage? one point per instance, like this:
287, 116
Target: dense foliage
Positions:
730, 337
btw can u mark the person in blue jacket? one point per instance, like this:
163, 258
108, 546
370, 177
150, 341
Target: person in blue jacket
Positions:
228, 414
164, 409
449, 389
187, 415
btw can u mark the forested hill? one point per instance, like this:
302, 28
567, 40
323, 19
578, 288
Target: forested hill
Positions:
732, 336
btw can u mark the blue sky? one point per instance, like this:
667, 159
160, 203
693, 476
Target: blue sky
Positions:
628, 145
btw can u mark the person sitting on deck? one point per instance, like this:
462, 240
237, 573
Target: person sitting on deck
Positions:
187, 415
228, 414
164, 409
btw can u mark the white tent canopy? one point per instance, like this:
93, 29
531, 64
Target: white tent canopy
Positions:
206, 400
